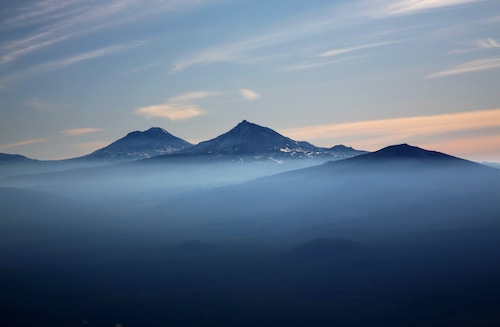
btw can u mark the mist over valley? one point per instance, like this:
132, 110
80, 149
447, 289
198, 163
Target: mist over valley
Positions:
249, 228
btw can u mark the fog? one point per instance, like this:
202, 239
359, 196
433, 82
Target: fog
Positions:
364, 241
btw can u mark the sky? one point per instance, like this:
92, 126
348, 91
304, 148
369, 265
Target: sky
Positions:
76, 75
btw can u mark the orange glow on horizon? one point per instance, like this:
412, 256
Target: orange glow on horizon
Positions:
444, 132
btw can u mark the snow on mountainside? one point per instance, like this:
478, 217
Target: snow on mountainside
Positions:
140, 145
246, 141
252, 140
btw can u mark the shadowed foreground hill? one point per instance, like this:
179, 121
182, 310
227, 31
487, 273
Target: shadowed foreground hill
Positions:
400, 237
401, 187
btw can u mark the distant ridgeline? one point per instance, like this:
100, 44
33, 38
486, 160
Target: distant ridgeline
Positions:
245, 140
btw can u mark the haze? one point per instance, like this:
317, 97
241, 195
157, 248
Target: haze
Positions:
249, 163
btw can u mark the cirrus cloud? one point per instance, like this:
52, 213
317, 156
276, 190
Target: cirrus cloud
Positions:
171, 111
249, 95
468, 67
79, 131
406, 7
43, 106
177, 108
25, 142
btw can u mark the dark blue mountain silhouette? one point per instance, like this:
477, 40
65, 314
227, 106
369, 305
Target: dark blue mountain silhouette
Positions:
140, 145
249, 139
6, 158
400, 185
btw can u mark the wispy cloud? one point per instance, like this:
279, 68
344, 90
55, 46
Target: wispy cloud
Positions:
177, 108
371, 135
64, 62
79, 131
315, 63
468, 67
239, 50
186, 97
44, 106
339, 51
57, 64
20, 50
249, 95
25, 142
270, 44
339, 55
477, 45
62, 133
488, 43
171, 111
406, 7
481, 148
48, 22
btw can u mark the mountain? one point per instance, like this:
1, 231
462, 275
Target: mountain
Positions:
7, 159
400, 187
248, 140
402, 167
140, 145
407, 157
16, 164
408, 152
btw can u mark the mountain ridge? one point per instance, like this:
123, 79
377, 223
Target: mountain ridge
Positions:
140, 145
249, 140
7, 158
245, 141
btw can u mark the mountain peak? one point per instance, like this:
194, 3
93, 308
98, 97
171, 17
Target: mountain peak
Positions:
405, 154
156, 130
13, 158
139, 145
407, 151
246, 124
153, 131
249, 138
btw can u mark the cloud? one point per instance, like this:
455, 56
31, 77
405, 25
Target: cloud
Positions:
61, 63
186, 97
79, 131
270, 44
64, 133
249, 95
20, 51
319, 63
47, 22
324, 58
64, 62
372, 135
43, 106
406, 7
239, 50
25, 142
336, 52
171, 111
480, 148
469, 67
177, 108
488, 43
480, 44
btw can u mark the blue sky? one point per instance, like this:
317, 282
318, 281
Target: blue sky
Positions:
75, 75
